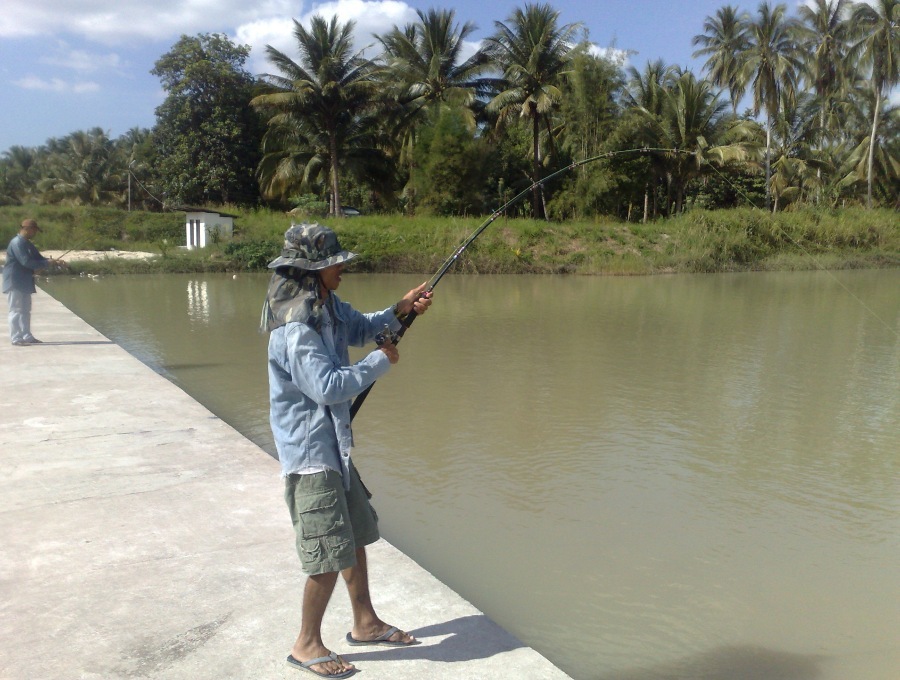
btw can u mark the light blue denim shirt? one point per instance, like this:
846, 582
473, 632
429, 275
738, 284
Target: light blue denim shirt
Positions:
311, 386
22, 259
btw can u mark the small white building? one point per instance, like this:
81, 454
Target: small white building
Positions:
202, 227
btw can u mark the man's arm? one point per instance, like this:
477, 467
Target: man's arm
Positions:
27, 254
314, 371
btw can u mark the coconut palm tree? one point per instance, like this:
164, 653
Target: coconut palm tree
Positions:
825, 35
825, 39
532, 50
18, 174
425, 72
84, 169
692, 121
878, 47
424, 62
796, 167
771, 67
878, 171
320, 113
723, 42
646, 93
646, 88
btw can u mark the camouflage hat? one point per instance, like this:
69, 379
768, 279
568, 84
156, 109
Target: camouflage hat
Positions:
311, 247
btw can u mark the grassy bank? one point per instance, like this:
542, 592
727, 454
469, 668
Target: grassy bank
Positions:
698, 241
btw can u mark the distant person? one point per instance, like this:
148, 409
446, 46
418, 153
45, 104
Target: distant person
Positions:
22, 261
311, 385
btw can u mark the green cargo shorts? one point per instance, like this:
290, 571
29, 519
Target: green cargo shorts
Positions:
329, 522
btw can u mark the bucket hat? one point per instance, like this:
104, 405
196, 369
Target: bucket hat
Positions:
311, 247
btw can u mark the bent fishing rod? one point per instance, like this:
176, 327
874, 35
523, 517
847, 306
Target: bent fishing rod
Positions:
407, 320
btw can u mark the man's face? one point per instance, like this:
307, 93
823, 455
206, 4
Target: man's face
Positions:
30, 231
330, 278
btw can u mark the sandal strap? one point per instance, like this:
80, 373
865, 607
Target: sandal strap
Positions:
321, 659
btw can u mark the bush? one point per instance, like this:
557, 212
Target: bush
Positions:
252, 254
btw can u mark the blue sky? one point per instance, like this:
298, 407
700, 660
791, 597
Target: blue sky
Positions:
68, 65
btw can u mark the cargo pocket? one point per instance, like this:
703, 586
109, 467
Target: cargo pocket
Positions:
324, 537
316, 515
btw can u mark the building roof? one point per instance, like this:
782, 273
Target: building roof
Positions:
191, 209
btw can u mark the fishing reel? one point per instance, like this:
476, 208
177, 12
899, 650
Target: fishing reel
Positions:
387, 335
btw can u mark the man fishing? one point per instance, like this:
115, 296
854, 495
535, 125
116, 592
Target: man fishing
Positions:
311, 384
22, 260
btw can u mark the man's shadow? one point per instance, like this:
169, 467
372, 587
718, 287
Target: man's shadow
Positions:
467, 638
477, 637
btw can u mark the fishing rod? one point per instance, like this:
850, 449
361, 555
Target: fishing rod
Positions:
407, 321
75, 247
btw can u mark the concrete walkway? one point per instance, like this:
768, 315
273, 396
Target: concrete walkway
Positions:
142, 537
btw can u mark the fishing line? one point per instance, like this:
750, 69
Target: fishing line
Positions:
809, 254
407, 321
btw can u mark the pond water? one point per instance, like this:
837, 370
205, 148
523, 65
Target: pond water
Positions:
642, 478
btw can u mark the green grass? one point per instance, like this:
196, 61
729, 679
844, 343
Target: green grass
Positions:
698, 241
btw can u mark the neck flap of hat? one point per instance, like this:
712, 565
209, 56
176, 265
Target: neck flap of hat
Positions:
293, 295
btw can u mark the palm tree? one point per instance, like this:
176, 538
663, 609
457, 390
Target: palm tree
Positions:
825, 41
646, 88
425, 72
771, 66
880, 169
320, 112
878, 27
723, 42
796, 169
532, 50
84, 169
18, 170
693, 119
645, 93
424, 61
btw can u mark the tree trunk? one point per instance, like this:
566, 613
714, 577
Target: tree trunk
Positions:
646, 202
335, 179
872, 138
768, 160
536, 170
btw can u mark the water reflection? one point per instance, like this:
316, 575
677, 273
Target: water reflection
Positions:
669, 477
198, 300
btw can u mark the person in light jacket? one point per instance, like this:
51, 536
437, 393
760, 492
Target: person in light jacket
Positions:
311, 386
22, 261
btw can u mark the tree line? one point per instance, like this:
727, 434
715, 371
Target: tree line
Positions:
423, 128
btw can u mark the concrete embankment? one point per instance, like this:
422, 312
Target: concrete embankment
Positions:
142, 537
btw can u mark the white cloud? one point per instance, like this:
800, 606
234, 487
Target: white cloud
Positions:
57, 85
82, 60
125, 22
613, 54
122, 21
369, 17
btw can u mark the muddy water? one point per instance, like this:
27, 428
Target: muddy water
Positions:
643, 478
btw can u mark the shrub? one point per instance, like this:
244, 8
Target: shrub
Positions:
253, 254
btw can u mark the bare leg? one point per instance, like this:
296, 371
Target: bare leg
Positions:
366, 624
309, 645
